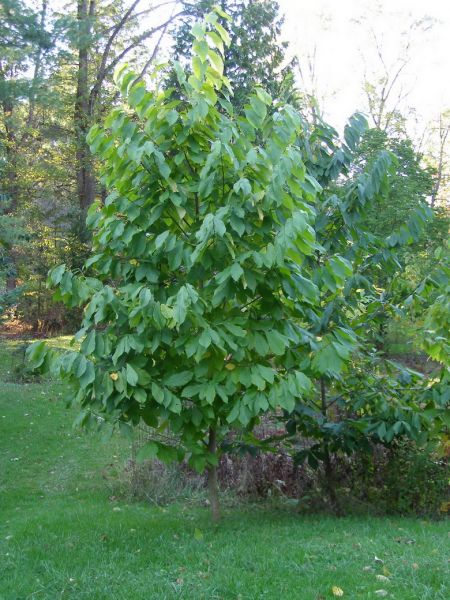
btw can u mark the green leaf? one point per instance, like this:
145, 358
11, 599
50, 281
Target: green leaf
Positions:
178, 379
167, 454
36, 354
327, 360
223, 34
132, 376
216, 61
236, 271
157, 393
181, 305
277, 342
263, 96
258, 106
147, 452
161, 238
88, 345
198, 31
88, 375
56, 274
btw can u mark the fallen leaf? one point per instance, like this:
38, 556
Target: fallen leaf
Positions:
403, 540
381, 593
415, 566
337, 591
382, 578
198, 535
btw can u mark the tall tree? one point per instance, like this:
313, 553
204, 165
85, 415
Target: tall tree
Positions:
438, 155
24, 40
104, 35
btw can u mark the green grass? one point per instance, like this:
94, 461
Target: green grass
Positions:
63, 536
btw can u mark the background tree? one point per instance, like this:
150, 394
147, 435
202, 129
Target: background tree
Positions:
105, 34
437, 155
47, 172
24, 40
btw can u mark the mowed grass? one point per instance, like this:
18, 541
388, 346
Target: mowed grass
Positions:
64, 535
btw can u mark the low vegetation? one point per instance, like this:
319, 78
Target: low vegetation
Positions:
69, 530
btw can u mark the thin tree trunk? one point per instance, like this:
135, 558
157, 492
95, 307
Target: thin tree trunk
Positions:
328, 465
443, 134
37, 69
213, 487
12, 181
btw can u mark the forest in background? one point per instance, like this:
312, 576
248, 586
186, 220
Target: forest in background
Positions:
56, 66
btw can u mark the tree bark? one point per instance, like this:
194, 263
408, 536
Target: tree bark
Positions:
37, 68
213, 487
328, 465
82, 116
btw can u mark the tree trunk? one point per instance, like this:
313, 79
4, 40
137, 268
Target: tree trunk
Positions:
82, 116
213, 487
37, 69
328, 465
11, 179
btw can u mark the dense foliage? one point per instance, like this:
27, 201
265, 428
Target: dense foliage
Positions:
254, 56
231, 275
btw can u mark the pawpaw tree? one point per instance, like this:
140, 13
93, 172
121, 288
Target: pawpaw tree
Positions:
230, 276
193, 292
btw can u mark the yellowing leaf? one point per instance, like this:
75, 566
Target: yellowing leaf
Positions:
230, 366
337, 591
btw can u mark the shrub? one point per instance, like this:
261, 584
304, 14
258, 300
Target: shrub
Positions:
415, 480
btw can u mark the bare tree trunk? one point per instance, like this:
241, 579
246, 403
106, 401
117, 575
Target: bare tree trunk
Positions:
82, 116
37, 68
328, 465
12, 182
443, 135
213, 487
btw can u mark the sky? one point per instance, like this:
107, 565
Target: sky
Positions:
341, 32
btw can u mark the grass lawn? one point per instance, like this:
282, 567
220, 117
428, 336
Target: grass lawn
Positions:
62, 536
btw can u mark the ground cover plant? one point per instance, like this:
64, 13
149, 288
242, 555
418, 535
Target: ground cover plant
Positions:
66, 533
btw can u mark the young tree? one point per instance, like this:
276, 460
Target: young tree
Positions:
189, 318
228, 269
359, 395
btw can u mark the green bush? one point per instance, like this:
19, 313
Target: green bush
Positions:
416, 480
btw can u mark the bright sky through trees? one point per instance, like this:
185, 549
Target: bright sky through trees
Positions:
340, 32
